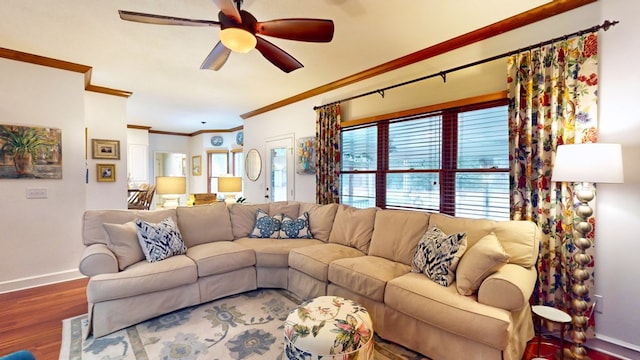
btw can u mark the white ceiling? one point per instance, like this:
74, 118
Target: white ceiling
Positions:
160, 65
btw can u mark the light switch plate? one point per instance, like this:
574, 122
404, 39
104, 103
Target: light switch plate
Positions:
37, 193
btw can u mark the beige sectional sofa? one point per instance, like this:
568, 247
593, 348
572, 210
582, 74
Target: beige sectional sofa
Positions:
362, 254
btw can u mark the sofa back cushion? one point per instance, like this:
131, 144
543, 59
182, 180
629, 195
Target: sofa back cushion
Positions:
475, 229
321, 219
243, 218
396, 234
353, 227
289, 208
204, 223
520, 239
123, 242
93, 232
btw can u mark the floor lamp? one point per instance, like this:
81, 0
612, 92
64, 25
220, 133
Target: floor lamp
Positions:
583, 164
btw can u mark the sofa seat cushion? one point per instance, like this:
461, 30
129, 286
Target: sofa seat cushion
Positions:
221, 257
274, 252
366, 275
314, 260
142, 278
443, 307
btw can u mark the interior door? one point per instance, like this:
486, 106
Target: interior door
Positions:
280, 165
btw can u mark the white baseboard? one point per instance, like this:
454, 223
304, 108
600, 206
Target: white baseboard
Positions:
606, 345
40, 280
614, 347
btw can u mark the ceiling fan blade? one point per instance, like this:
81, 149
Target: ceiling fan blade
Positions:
216, 58
163, 20
312, 30
277, 56
229, 9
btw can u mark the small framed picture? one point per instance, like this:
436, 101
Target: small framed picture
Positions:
196, 165
105, 149
306, 163
106, 172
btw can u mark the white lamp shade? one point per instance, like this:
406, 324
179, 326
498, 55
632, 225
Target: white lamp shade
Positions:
591, 162
229, 184
171, 185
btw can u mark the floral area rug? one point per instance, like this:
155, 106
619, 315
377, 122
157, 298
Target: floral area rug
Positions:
244, 326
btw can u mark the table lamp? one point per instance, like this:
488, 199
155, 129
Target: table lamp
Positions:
583, 164
229, 186
170, 188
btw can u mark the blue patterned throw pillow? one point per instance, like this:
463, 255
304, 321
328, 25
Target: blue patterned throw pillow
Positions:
295, 228
266, 226
437, 255
160, 241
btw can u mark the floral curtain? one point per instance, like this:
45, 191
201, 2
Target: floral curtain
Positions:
328, 154
552, 101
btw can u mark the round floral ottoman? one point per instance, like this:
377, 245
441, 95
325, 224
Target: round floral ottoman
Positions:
328, 327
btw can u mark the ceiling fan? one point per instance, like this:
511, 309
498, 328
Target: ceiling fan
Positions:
240, 30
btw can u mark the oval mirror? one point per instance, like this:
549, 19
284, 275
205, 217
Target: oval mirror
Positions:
253, 165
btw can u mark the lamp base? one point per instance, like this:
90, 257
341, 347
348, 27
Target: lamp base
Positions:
170, 201
229, 198
568, 355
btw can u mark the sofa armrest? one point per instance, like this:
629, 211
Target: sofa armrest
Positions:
509, 288
98, 259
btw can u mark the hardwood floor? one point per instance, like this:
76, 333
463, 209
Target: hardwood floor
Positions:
32, 319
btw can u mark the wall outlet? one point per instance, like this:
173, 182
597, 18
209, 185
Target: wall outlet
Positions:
37, 193
599, 303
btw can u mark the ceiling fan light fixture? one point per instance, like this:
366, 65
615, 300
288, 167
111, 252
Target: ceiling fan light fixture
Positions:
238, 39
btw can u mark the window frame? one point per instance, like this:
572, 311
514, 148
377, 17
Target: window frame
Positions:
449, 149
210, 174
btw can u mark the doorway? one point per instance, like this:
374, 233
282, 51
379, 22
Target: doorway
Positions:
280, 166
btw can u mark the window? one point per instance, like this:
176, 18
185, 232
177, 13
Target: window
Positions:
218, 164
453, 161
237, 162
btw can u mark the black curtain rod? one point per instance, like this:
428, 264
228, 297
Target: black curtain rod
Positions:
605, 26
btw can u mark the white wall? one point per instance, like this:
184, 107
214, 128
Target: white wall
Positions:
40, 238
618, 209
138, 157
297, 119
105, 118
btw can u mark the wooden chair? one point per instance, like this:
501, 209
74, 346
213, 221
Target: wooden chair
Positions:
141, 199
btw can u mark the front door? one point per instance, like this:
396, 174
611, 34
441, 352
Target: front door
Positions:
280, 165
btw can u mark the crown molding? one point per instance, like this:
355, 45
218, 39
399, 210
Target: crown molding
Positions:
525, 18
62, 65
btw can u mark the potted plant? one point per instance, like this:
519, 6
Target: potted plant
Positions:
22, 144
